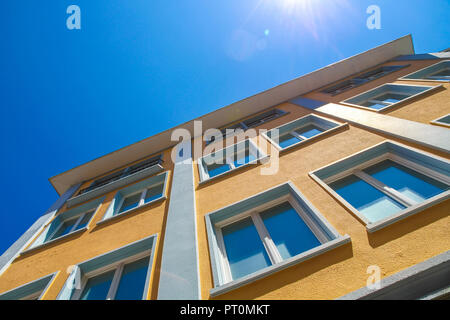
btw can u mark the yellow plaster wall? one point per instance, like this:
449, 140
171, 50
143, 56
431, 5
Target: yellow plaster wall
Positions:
339, 271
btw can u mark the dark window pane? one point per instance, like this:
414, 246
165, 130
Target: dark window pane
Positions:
445, 119
371, 202
289, 232
376, 106
153, 193
309, 131
412, 184
243, 158
65, 228
391, 97
287, 140
216, 169
132, 282
130, 202
85, 220
244, 249
97, 287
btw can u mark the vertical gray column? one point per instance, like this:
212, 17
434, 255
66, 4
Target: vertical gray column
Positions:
179, 278
9, 255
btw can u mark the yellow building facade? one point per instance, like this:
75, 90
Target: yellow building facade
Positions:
359, 149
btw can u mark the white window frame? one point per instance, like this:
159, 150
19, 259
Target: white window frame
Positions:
141, 200
118, 267
268, 243
427, 78
252, 149
438, 122
411, 206
388, 105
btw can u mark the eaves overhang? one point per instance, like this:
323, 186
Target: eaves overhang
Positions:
236, 111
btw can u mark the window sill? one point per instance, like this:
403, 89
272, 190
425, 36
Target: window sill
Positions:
26, 251
101, 222
114, 185
372, 227
235, 284
260, 160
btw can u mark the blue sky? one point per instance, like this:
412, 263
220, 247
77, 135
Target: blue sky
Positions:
138, 67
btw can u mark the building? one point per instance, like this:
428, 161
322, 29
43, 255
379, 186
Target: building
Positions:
359, 191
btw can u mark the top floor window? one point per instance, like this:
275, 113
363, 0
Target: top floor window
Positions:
437, 72
118, 179
123, 173
387, 95
250, 123
361, 79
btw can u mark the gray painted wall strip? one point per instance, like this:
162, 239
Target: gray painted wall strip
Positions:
411, 283
179, 278
12, 252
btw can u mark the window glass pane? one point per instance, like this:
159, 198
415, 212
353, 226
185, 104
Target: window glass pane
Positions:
216, 169
130, 202
243, 158
153, 193
309, 131
289, 232
85, 220
445, 119
373, 105
132, 281
287, 140
371, 202
443, 73
65, 228
97, 287
391, 97
412, 184
244, 249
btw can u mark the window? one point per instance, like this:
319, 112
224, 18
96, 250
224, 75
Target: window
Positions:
30, 291
122, 274
140, 198
228, 159
279, 227
387, 182
386, 96
69, 222
137, 195
361, 79
122, 281
437, 72
300, 130
443, 121
270, 236
123, 173
252, 122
